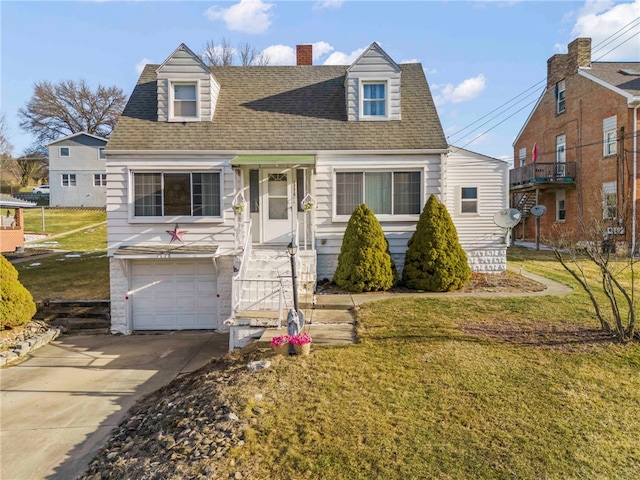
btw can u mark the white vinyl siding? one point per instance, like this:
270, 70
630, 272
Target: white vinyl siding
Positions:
373, 67
184, 68
609, 127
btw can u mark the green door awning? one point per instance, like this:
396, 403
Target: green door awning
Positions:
274, 160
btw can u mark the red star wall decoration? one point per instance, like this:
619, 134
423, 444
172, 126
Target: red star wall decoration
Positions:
176, 234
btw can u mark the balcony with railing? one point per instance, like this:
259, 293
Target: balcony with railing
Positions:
542, 174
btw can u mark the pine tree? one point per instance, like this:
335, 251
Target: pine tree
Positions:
16, 303
364, 263
435, 260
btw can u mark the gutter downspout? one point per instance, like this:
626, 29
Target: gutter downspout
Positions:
635, 180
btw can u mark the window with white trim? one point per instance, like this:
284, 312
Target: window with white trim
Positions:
469, 200
101, 154
184, 100
100, 180
561, 206
522, 156
374, 99
561, 148
65, 151
560, 97
609, 201
68, 179
610, 139
191, 194
384, 192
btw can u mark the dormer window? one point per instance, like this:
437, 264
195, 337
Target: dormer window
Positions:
185, 101
374, 99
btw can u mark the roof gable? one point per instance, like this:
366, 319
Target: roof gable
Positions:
74, 135
183, 57
374, 53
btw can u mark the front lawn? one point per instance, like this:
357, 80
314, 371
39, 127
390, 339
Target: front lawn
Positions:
60, 220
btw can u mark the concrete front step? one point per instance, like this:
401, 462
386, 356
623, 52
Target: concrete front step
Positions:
79, 323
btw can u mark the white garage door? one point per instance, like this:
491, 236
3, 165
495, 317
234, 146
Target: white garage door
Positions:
174, 295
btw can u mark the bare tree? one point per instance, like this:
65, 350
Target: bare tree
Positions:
67, 107
594, 244
218, 55
5, 145
32, 165
223, 54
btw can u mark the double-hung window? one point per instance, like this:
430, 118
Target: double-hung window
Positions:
374, 99
184, 100
101, 154
560, 97
610, 139
65, 152
100, 180
191, 194
561, 206
68, 179
522, 156
469, 200
384, 192
609, 201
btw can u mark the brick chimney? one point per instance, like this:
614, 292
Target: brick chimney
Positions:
304, 54
562, 65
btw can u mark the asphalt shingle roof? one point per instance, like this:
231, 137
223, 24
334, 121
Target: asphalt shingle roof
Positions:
285, 108
610, 73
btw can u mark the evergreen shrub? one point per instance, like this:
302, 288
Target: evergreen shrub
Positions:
364, 263
435, 260
16, 303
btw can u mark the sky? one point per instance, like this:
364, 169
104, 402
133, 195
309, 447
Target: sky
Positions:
476, 55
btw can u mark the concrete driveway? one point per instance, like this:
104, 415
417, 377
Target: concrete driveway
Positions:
59, 405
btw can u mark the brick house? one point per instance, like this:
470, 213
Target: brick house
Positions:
577, 152
11, 222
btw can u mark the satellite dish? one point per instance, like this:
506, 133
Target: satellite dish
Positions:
507, 218
538, 210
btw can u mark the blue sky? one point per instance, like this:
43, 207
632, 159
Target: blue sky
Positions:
476, 55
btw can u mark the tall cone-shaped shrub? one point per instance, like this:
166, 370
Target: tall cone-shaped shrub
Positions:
435, 260
16, 303
364, 263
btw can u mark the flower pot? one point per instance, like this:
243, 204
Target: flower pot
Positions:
302, 349
282, 349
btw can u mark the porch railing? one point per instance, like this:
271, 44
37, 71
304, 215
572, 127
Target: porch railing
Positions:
536, 173
258, 294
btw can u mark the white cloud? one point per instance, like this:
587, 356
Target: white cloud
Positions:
467, 90
249, 16
599, 20
327, 4
341, 58
140, 65
320, 49
411, 60
433, 71
280, 55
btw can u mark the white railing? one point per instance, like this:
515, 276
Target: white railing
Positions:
259, 294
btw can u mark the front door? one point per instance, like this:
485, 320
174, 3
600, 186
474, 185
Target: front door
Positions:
276, 213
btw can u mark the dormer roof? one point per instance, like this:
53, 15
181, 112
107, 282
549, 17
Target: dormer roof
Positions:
182, 48
374, 48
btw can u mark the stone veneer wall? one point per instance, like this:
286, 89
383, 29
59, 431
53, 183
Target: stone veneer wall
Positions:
119, 303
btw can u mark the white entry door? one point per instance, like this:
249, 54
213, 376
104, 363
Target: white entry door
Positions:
276, 211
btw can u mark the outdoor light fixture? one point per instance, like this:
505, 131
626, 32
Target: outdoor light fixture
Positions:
292, 249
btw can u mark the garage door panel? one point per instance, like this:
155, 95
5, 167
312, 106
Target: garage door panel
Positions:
174, 295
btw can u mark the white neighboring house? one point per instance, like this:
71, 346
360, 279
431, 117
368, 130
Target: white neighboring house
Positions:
77, 171
214, 170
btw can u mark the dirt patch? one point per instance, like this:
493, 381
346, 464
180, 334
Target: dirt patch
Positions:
10, 337
479, 282
562, 337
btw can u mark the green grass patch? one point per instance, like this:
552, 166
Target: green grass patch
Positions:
60, 220
63, 277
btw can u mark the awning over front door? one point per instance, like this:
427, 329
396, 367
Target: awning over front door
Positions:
268, 160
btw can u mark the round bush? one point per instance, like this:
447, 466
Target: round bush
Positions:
17, 306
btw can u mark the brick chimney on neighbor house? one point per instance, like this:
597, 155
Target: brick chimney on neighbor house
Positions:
562, 65
304, 54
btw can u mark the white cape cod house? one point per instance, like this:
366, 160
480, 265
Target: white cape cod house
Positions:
212, 171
